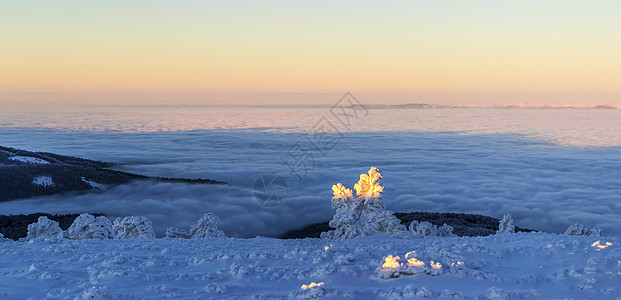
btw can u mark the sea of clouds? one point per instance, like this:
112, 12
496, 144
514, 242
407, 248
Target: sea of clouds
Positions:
544, 183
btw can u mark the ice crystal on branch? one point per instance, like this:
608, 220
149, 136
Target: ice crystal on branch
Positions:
362, 214
370, 186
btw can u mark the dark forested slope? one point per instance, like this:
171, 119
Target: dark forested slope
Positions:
25, 174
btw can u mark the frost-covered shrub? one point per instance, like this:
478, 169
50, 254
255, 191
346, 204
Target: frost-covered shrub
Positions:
363, 214
175, 233
133, 227
206, 227
595, 231
579, 229
87, 226
427, 229
445, 230
2, 239
506, 225
44, 228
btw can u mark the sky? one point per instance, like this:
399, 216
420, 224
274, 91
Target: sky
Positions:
294, 52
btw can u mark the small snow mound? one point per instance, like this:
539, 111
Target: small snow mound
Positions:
506, 225
395, 266
44, 228
87, 226
425, 292
29, 159
133, 227
363, 215
216, 288
579, 229
44, 181
206, 227
93, 292
495, 293
312, 291
427, 229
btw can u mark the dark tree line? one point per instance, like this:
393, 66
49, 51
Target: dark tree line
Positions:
16, 226
463, 224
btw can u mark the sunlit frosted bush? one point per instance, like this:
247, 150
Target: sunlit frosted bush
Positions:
364, 213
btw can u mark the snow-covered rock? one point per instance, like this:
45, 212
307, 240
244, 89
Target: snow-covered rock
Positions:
87, 226
579, 229
44, 228
427, 229
2, 238
133, 227
206, 227
505, 226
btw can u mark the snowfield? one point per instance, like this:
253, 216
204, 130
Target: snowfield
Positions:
522, 265
94, 184
29, 159
43, 181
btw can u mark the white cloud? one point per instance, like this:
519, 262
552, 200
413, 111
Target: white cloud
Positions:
544, 186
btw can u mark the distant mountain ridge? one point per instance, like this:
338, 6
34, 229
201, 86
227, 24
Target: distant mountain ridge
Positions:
499, 106
25, 174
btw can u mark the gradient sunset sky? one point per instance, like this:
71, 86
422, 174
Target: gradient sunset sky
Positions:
267, 52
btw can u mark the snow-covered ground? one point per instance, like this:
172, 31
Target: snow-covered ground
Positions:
94, 184
510, 266
29, 159
43, 181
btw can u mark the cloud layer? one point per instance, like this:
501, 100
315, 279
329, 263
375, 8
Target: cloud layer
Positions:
544, 186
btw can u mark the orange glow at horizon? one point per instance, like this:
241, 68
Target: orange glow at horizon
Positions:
406, 47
